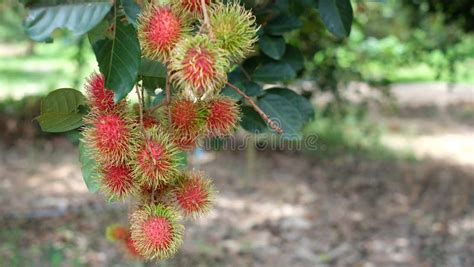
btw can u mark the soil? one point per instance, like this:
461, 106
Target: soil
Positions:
293, 209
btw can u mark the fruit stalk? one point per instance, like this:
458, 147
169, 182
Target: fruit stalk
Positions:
262, 114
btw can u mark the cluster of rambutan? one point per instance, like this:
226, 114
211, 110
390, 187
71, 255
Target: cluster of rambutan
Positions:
138, 155
142, 160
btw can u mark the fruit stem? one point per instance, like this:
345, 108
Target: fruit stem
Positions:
206, 19
262, 114
162, 104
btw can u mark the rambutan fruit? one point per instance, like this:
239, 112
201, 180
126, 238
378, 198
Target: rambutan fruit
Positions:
187, 120
156, 231
111, 137
100, 98
199, 65
149, 121
116, 232
234, 28
131, 248
191, 7
117, 181
160, 27
156, 160
185, 141
193, 193
223, 116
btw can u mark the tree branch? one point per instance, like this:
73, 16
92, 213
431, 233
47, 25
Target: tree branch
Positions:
262, 114
206, 19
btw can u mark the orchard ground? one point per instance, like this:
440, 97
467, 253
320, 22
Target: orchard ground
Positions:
404, 201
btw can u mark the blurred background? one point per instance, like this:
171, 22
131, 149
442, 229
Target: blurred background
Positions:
389, 181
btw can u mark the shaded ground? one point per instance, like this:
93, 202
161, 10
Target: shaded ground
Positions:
295, 211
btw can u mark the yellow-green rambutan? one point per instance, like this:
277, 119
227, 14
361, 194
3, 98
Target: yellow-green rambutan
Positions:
234, 29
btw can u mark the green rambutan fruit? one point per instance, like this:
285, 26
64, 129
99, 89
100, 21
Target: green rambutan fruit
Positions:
199, 66
234, 28
111, 137
223, 116
156, 160
160, 27
193, 193
155, 231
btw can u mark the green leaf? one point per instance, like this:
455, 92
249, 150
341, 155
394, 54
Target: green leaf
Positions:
159, 98
252, 122
282, 111
282, 24
119, 59
131, 10
88, 168
227, 91
78, 16
252, 88
152, 68
248, 87
273, 72
59, 122
153, 83
294, 57
273, 47
60, 111
301, 103
337, 15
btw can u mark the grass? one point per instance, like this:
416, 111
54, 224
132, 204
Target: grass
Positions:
350, 135
51, 66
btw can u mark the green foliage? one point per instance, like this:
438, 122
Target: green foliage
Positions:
79, 16
337, 16
119, 58
60, 111
88, 168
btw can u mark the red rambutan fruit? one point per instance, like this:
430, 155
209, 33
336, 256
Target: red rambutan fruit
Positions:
223, 116
156, 231
116, 232
100, 98
194, 193
157, 159
131, 248
199, 65
192, 7
187, 116
160, 27
117, 181
111, 137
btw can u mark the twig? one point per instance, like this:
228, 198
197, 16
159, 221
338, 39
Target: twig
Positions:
206, 19
246, 74
168, 94
262, 114
155, 108
140, 107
